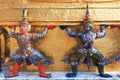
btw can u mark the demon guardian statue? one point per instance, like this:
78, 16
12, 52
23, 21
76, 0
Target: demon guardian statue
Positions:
87, 54
25, 53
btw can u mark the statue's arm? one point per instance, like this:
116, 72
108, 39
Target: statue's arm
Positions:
40, 35
101, 34
70, 32
12, 33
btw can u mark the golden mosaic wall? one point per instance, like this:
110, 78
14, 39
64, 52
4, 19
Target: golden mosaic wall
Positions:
57, 43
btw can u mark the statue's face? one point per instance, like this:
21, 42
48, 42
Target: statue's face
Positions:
24, 28
87, 26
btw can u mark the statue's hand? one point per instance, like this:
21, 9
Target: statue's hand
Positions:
63, 27
11, 26
104, 25
117, 58
51, 27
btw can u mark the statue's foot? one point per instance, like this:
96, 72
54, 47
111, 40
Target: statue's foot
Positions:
12, 74
105, 75
45, 75
71, 74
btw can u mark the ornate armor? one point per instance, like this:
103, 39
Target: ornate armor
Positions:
25, 48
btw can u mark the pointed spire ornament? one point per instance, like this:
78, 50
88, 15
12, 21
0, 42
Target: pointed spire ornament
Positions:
25, 10
24, 17
87, 15
87, 12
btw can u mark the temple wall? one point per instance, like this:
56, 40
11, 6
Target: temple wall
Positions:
64, 12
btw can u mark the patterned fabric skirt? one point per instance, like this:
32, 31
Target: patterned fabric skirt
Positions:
36, 58
84, 56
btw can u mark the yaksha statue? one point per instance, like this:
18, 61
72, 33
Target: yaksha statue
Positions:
87, 53
25, 53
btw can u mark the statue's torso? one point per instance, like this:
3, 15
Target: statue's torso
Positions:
24, 43
88, 40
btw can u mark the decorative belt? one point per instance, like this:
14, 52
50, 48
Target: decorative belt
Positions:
18, 51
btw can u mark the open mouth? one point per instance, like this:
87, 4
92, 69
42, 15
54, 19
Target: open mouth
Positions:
87, 27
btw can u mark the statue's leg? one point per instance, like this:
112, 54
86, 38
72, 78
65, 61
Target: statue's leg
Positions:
75, 59
41, 68
14, 61
100, 61
101, 72
39, 60
74, 67
118, 59
74, 71
14, 69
